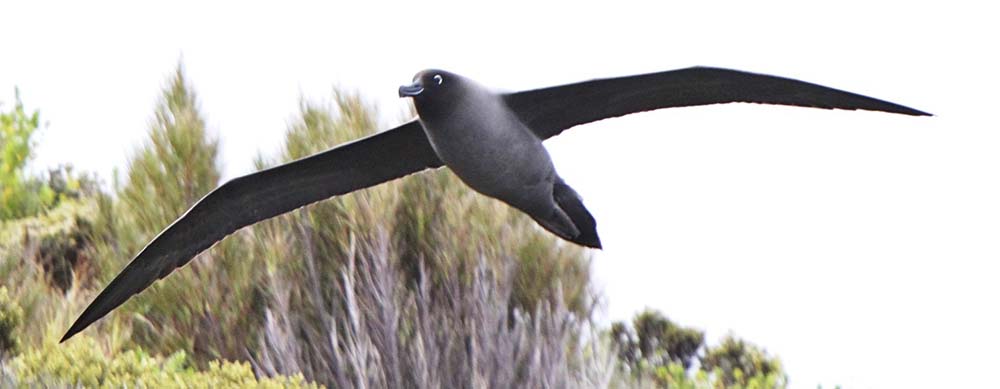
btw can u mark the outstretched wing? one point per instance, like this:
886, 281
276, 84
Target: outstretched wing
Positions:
246, 200
549, 111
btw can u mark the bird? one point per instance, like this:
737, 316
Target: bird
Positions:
491, 140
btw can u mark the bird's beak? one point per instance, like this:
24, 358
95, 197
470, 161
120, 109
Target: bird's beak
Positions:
411, 90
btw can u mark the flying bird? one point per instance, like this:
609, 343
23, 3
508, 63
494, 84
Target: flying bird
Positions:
491, 141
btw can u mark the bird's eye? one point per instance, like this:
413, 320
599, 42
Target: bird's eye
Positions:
438, 78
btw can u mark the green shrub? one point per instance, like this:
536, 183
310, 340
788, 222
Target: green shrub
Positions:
40, 258
83, 363
10, 318
20, 195
656, 352
740, 363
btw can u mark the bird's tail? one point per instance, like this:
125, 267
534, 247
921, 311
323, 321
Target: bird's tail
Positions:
572, 205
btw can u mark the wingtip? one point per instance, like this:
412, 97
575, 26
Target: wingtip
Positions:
916, 112
73, 330
69, 334
88, 317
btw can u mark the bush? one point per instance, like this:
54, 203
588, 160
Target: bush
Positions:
82, 363
655, 352
385, 335
738, 362
10, 318
40, 258
20, 195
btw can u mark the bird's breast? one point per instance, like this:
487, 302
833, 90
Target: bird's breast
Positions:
490, 151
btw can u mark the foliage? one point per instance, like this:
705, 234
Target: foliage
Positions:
10, 318
40, 256
674, 375
656, 341
661, 340
391, 336
656, 352
20, 195
70, 185
83, 363
735, 360
175, 167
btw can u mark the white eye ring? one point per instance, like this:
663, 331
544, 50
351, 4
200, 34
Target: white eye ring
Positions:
438, 78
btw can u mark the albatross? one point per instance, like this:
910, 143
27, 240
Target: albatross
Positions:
492, 141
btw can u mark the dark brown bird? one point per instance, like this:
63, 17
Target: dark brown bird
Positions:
492, 141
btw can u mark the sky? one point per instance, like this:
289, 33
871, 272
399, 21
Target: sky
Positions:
860, 247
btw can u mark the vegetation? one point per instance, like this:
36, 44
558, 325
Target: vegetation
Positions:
20, 196
656, 350
416, 283
10, 319
84, 363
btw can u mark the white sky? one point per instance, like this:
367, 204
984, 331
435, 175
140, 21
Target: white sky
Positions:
860, 247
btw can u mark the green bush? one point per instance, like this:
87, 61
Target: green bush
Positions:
40, 257
655, 352
20, 195
675, 376
739, 363
654, 341
10, 318
83, 363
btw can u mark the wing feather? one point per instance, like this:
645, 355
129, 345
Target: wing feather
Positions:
549, 111
249, 199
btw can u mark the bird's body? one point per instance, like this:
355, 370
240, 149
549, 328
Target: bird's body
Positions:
492, 141
488, 147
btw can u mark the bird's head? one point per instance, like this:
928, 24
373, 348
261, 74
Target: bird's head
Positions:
434, 90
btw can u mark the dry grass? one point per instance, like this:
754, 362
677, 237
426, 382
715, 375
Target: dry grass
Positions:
381, 334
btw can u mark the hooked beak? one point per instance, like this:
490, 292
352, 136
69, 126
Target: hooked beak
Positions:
411, 90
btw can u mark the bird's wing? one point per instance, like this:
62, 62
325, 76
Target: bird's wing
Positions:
246, 200
549, 111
